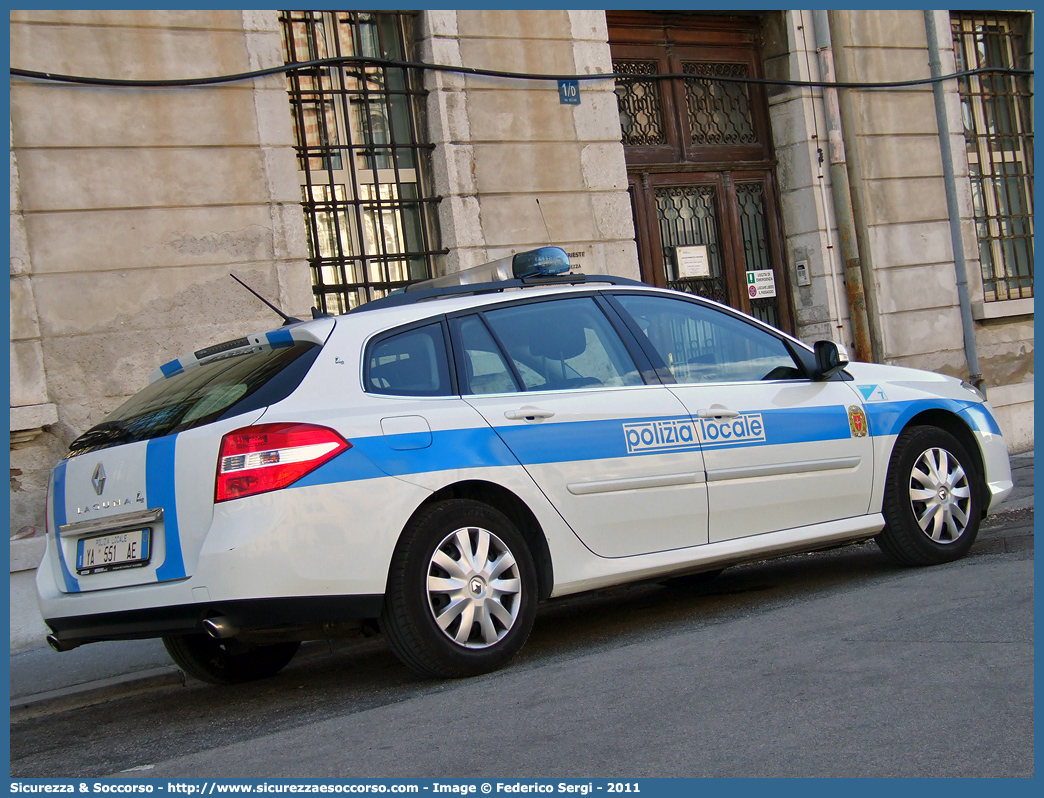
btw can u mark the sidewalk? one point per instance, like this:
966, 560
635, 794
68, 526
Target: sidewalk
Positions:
1022, 475
44, 681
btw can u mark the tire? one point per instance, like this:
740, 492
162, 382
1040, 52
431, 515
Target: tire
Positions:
462, 591
931, 506
227, 661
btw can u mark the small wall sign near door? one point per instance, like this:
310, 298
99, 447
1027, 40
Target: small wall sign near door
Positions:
569, 92
692, 261
761, 284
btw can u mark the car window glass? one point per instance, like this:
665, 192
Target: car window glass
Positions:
215, 399
410, 363
223, 387
701, 344
486, 369
563, 344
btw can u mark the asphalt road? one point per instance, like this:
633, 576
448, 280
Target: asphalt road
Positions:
832, 664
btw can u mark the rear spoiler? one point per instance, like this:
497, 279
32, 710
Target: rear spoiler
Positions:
315, 332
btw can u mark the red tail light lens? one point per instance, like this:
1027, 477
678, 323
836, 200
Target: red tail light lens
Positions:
267, 457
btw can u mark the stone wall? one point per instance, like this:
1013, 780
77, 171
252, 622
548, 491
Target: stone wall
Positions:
898, 194
130, 207
901, 203
502, 144
898, 190
799, 137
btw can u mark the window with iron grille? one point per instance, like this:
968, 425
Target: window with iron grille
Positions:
640, 104
998, 130
369, 210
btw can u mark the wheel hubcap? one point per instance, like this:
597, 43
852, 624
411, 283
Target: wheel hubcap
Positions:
940, 495
474, 587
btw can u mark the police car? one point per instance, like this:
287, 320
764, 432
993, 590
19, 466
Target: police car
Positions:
443, 459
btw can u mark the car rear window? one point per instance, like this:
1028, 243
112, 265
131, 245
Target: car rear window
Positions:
222, 388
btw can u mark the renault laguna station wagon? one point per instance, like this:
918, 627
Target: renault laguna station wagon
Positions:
441, 460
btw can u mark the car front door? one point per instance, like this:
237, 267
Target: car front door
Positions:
781, 450
613, 454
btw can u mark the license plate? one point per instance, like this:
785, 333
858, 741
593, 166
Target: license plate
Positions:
113, 552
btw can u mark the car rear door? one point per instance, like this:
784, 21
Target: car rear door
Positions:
614, 455
781, 450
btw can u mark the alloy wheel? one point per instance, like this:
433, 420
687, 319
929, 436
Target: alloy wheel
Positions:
940, 495
474, 587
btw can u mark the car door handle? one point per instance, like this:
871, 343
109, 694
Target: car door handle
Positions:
528, 413
717, 412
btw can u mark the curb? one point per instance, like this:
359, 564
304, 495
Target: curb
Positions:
91, 693
1011, 506
100, 691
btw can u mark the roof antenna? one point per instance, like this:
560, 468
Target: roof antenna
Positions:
286, 319
549, 239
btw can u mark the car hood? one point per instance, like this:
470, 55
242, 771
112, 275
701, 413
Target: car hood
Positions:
872, 381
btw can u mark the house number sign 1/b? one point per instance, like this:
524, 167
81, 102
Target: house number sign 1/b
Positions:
569, 92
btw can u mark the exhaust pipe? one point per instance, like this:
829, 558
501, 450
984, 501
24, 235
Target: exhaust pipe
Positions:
59, 646
220, 628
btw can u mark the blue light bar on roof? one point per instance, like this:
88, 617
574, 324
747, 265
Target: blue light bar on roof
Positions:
542, 262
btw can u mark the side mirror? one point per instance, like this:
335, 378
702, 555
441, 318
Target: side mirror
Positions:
830, 359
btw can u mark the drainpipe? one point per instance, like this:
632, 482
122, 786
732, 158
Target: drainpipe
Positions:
842, 193
960, 266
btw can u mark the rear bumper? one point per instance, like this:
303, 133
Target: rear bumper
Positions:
288, 558
269, 613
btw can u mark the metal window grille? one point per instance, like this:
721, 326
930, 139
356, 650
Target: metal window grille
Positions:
688, 216
719, 112
750, 198
369, 211
998, 130
640, 105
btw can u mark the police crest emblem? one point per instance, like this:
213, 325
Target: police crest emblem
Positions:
857, 421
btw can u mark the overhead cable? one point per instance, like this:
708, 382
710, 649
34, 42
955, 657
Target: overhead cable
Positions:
352, 61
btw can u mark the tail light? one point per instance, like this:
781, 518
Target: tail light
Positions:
271, 456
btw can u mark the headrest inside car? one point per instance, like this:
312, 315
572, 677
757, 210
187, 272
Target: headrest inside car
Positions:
560, 339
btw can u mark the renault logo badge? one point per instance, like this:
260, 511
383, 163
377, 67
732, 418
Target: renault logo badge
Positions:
98, 479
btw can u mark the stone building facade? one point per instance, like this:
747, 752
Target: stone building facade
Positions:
131, 205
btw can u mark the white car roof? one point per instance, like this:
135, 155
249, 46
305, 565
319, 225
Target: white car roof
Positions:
365, 321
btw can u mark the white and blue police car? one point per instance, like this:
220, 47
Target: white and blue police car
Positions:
442, 459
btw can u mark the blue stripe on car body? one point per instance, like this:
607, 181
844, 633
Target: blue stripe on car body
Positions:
484, 447
279, 338
536, 444
599, 440
60, 519
889, 418
374, 457
171, 368
408, 441
349, 466
980, 419
160, 492
477, 447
